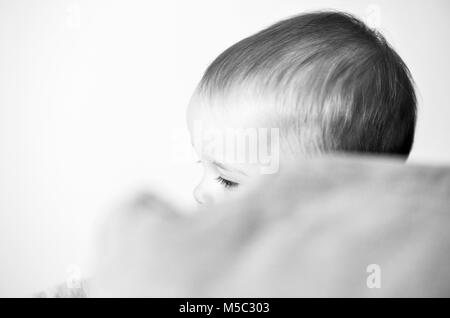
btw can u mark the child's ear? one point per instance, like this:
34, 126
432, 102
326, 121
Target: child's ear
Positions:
150, 203
143, 209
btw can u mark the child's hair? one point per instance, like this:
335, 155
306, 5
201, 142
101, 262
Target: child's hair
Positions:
336, 83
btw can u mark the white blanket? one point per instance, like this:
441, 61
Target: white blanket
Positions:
325, 227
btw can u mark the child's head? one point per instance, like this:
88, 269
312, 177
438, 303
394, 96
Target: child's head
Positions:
325, 80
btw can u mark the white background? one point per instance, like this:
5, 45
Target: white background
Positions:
92, 105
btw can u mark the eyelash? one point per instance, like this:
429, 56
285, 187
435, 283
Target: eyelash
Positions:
227, 183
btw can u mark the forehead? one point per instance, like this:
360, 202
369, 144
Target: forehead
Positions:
224, 133
236, 110
222, 116
239, 108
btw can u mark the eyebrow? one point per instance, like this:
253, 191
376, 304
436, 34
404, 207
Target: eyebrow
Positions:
224, 167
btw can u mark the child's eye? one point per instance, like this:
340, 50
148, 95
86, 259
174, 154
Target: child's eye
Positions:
227, 183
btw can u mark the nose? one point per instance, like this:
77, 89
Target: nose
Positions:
200, 196
198, 200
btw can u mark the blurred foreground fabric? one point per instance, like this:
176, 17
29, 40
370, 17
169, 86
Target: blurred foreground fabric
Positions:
312, 230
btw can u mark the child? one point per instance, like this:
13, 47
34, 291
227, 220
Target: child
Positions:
325, 81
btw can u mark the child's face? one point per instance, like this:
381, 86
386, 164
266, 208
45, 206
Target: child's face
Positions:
223, 176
